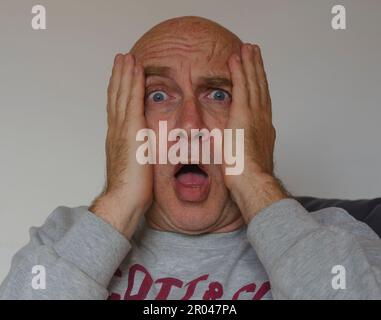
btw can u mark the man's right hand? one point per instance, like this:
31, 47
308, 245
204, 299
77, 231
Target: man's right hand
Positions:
128, 192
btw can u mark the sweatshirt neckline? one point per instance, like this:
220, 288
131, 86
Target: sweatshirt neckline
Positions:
207, 241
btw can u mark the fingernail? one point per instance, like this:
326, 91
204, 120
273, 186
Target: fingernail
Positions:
237, 58
249, 48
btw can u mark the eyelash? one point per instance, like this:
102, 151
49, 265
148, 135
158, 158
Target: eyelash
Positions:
161, 89
153, 90
227, 92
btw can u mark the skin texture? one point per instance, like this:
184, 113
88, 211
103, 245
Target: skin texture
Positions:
191, 49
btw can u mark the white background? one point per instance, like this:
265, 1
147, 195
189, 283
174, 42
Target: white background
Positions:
325, 88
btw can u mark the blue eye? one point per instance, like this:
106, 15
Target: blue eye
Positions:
219, 95
157, 96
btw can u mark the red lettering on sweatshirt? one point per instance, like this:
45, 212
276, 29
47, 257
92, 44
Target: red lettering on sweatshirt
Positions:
214, 291
168, 283
144, 287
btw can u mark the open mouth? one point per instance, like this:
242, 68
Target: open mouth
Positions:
190, 173
191, 182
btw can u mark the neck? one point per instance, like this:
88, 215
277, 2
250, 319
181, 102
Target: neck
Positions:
228, 227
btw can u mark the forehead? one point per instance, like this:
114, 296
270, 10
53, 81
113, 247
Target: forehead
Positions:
203, 54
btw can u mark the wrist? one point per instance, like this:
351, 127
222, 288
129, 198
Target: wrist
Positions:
255, 192
118, 212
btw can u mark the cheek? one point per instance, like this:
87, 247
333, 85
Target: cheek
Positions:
152, 119
215, 119
162, 184
162, 172
153, 116
166, 110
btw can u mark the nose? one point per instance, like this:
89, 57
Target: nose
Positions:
190, 115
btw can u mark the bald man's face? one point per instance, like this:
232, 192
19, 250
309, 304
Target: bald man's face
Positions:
188, 86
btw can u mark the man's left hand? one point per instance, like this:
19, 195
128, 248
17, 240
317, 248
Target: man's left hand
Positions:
256, 188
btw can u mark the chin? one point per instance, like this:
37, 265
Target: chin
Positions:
193, 218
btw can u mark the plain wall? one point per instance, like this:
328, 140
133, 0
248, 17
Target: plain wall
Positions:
325, 88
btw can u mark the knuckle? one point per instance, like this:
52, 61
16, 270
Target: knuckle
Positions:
263, 82
250, 83
120, 100
246, 85
111, 91
132, 98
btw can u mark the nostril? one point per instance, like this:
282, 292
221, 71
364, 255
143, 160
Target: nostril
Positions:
200, 134
205, 135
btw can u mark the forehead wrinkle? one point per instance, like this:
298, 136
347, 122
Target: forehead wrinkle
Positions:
148, 42
173, 48
156, 45
157, 58
173, 52
165, 40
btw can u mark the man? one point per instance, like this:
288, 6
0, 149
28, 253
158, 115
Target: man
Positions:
206, 234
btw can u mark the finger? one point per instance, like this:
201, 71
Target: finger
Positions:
113, 87
239, 90
124, 87
251, 75
262, 80
135, 107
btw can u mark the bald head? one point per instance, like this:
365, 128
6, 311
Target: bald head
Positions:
188, 28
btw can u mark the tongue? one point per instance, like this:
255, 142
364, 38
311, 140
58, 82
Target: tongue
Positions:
192, 179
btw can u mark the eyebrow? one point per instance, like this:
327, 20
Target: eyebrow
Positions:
210, 81
217, 81
157, 71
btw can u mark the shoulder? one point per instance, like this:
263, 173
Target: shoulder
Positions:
339, 218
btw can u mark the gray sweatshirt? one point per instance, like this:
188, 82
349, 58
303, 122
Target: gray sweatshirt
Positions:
284, 253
